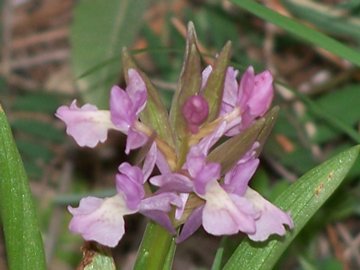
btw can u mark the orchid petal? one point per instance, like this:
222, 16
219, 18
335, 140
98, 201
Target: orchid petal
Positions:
272, 220
210, 173
204, 146
180, 210
122, 110
194, 163
262, 94
172, 182
136, 90
230, 91
221, 216
237, 179
191, 225
87, 125
160, 218
129, 182
162, 163
246, 87
161, 202
205, 76
149, 162
100, 220
135, 139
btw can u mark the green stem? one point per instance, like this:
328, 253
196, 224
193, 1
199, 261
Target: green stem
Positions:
155, 248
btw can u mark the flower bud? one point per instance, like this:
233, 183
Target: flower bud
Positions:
195, 111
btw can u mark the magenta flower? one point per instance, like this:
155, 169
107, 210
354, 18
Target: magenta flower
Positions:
231, 207
223, 204
89, 126
253, 96
270, 219
102, 220
222, 213
125, 107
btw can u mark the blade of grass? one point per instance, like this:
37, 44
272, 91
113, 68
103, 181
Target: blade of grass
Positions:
24, 246
331, 119
302, 199
300, 30
219, 255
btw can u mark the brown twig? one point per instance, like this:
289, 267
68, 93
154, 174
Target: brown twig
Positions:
280, 169
42, 17
352, 244
337, 246
7, 36
52, 56
43, 37
164, 85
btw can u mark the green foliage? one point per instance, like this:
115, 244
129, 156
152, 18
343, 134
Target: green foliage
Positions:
24, 246
300, 30
331, 19
302, 199
100, 30
39, 129
36, 130
37, 102
342, 104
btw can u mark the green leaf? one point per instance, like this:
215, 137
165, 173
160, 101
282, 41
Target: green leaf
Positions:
302, 199
100, 30
214, 88
23, 241
39, 129
155, 114
341, 104
332, 120
34, 150
155, 247
189, 84
37, 102
300, 30
327, 17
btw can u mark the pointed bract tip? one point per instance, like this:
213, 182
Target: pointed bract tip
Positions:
125, 54
191, 28
227, 48
191, 36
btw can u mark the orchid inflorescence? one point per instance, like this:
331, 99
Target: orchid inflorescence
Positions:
202, 182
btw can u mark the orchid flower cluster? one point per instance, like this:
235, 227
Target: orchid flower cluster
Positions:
196, 185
